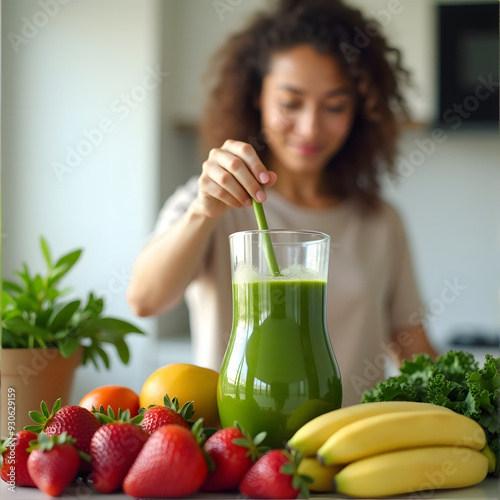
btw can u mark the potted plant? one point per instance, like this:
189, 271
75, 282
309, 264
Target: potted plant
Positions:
45, 338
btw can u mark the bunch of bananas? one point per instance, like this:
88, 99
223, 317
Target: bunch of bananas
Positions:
390, 448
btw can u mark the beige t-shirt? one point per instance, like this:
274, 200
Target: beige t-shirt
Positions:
371, 287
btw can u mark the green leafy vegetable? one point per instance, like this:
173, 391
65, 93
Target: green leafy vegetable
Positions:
453, 380
34, 315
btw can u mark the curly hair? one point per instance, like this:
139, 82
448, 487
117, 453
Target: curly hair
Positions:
237, 70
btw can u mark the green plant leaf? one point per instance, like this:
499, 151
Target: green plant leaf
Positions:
45, 410
117, 326
37, 417
104, 356
61, 334
52, 294
25, 276
9, 286
123, 351
63, 265
63, 316
7, 300
94, 305
13, 341
68, 346
20, 325
33, 315
91, 356
11, 313
27, 303
37, 285
46, 253
43, 317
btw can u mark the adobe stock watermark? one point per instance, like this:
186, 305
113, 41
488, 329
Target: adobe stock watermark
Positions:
120, 108
10, 456
116, 284
39, 361
222, 7
374, 370
436, 477
30, 28
372, 29
453, 116
449, 293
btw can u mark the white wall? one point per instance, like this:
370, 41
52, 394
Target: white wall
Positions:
447, 193
78, 60
200, 28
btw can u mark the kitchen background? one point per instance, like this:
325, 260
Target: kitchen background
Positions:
100, 99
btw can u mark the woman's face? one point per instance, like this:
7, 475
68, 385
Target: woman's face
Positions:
307, 108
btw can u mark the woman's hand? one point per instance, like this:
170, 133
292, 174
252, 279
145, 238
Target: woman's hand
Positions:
231, 176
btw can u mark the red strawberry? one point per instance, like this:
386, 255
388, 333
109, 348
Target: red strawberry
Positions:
53, 463
14, 459
275, 475
77, 421
158, 416
170, 465
114, 447
233, 452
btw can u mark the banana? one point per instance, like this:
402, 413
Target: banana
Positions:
398, 430
322, 475
416, 469
312, 435
492, 458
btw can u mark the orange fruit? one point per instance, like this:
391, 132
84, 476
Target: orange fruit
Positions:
116, 396
188, 383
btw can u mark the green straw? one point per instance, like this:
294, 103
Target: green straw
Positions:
268, 246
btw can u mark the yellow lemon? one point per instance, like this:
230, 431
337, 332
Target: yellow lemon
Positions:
187, 382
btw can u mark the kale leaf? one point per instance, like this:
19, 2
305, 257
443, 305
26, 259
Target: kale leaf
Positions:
453, 380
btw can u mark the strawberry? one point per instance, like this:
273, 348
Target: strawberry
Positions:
233, 452
14, 459
170, 465
77, 421
275, 475
114, 447
158, 416
53, 462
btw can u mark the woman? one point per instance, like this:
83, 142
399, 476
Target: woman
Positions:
303, 118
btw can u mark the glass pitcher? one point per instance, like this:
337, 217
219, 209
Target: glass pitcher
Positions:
279, 370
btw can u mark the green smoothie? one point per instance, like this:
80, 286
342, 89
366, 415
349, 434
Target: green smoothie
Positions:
279, 370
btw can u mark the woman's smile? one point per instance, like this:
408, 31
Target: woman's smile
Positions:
306, 149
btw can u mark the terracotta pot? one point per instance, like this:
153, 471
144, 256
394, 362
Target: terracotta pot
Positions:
30, 376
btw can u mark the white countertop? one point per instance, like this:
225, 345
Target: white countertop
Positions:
489, 489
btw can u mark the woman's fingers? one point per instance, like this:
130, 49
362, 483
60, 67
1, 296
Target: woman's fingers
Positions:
214, 190
218, 183
236, 177
251, 159
272, 178
232, 176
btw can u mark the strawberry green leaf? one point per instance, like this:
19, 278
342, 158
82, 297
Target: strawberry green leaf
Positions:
45, 410
254, 450
260, 437
44, 443
37, 417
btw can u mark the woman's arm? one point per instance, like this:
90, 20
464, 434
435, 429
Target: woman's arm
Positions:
165, 267
231, 176
412, 340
